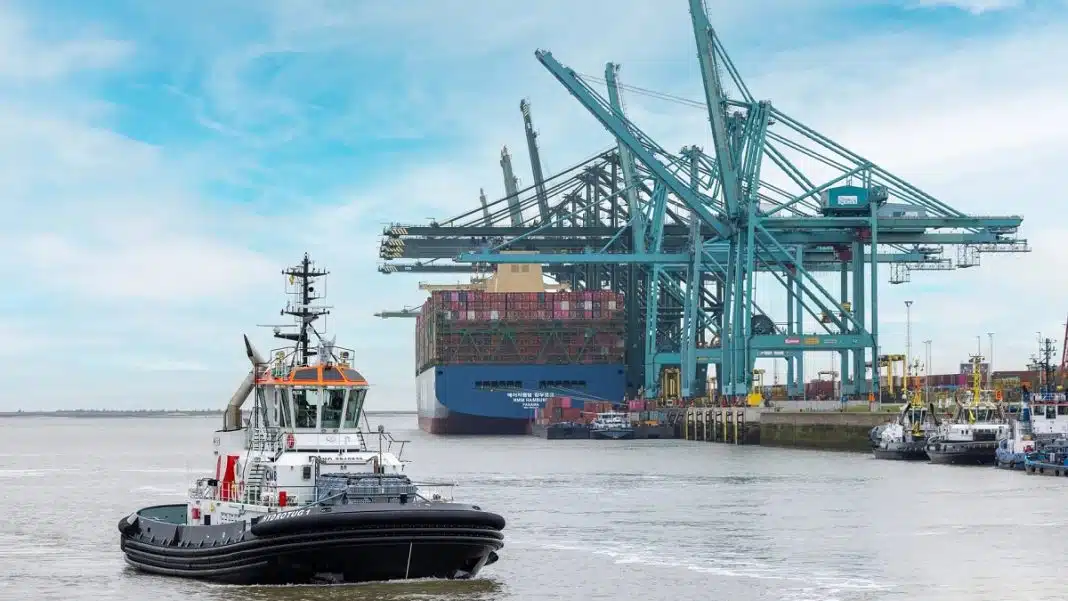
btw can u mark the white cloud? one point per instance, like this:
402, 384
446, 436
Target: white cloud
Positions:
976, 7
25, 57
141, 260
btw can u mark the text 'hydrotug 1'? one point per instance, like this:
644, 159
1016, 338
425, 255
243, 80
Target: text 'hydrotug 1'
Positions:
297, 496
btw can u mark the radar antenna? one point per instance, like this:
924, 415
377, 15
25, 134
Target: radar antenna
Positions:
1043, 362
302, 287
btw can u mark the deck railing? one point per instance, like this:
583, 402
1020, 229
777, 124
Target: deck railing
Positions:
294, 496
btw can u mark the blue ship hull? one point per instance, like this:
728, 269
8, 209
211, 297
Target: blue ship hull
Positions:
1045, 468
501, 399
1008, 460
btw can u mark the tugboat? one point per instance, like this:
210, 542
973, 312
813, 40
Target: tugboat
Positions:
906, 437
972, 436
1013, 448
297, 496
1042, 422
612, 425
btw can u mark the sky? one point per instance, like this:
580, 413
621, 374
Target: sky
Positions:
163, 161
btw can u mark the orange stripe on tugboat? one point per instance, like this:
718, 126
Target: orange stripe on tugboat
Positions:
320, 375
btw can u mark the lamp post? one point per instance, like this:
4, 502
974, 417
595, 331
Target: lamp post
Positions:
908, 343
927, 377
990, 362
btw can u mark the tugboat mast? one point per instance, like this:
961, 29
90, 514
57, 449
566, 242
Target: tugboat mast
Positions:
1044, 363
302, 278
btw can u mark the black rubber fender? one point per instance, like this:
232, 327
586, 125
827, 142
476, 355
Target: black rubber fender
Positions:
128, 523
256, 545
325, 518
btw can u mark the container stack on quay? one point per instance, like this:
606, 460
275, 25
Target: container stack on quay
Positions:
559, 409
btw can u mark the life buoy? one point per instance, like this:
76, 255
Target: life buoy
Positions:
290, 440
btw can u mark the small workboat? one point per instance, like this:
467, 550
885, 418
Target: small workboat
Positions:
298, 496
1051, 459
611, 424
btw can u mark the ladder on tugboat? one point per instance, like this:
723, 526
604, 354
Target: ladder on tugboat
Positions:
360, 439
255, 483
267, 441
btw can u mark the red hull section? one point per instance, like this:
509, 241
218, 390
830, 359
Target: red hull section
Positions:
461, 423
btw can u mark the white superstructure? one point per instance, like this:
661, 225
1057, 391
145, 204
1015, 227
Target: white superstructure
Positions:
306, 420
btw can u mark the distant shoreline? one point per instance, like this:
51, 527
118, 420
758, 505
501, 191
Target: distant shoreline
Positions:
144, 413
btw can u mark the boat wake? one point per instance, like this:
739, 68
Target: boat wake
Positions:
799, 583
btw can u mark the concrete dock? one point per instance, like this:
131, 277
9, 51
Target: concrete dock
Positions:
736, 425
813, 425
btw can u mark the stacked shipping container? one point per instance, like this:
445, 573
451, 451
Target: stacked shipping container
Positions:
528, 328
1007, 379
568, 409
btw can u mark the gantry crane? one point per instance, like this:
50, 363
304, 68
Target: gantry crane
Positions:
682, 235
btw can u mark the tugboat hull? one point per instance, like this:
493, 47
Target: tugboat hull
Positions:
317, 544
612, 434
561, 431
962, 453
1008, 460
902, 451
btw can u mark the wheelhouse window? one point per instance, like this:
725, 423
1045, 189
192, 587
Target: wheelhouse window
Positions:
306, 403
352, 410
262, 415
284, 410
335, 401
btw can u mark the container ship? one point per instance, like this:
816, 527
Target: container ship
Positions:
490, 353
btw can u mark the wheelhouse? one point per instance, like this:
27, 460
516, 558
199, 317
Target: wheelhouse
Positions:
316, 398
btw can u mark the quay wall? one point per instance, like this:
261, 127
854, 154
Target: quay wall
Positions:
830, 430
810, 427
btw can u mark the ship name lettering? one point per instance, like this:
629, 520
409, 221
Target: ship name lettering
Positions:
295, 513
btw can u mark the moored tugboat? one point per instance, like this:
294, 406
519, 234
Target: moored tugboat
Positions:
1042, 419
1012, 449
906, 437
971, 438
298, 496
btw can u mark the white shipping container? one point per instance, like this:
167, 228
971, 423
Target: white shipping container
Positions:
589, 305
564, 305
612, 305
471, 315
495, 315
